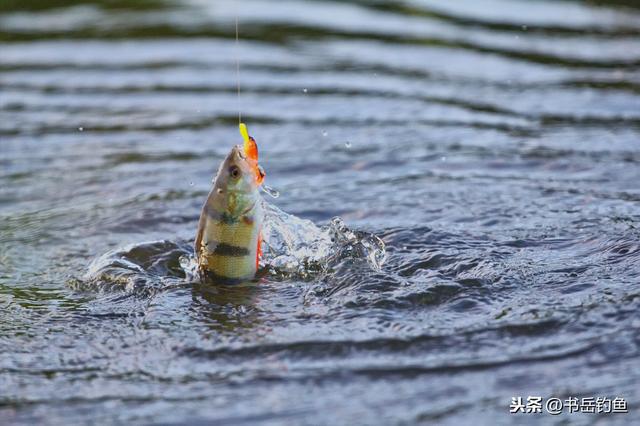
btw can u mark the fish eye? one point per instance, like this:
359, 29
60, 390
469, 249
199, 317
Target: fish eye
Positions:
234, 171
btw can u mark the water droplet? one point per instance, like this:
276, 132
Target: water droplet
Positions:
325, 133
347, 144
304, 90
269, 190
81, 129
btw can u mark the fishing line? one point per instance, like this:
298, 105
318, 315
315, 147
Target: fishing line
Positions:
243, 128
237, 48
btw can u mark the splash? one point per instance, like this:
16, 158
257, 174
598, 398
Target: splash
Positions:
137, 268
298, 248
293, 248
273, 193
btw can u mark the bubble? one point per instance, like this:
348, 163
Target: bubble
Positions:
304, 90
443, 158
269, 190
347, 144
190, 183
325, 133
81, 129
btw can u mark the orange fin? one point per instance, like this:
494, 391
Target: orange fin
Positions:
251, 151
259, 251
260, 175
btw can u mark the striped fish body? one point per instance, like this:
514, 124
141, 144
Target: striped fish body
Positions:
228, 241
229, 249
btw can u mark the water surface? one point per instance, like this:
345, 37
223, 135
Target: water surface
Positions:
493, 146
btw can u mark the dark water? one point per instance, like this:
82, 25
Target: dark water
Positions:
493, 145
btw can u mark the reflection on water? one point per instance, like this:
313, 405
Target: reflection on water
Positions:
226, 308
491, 145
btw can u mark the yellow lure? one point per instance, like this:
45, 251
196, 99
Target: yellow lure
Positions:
250, 146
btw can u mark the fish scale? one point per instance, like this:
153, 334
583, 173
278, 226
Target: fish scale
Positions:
229, 232
240, 236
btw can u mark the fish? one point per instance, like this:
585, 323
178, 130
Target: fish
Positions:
229, 237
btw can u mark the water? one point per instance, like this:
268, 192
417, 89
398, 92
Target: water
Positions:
493, 149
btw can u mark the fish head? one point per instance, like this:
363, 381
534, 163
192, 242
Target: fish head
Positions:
237, 183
